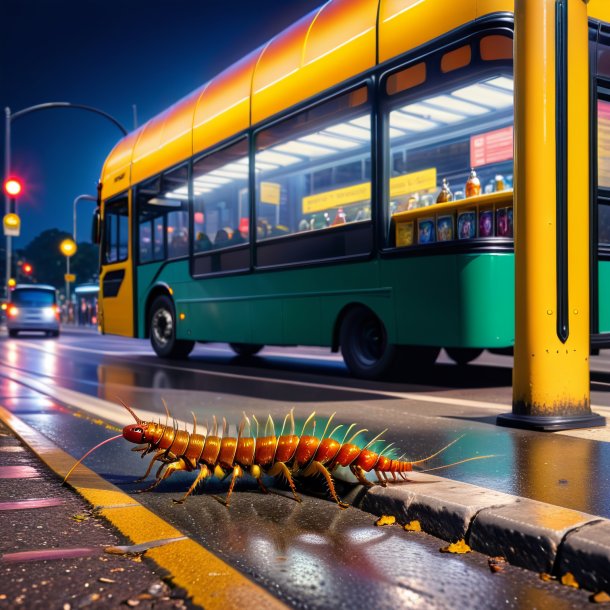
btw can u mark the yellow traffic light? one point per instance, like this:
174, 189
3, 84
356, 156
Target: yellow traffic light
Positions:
67, 247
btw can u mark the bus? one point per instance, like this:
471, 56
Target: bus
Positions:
348, 185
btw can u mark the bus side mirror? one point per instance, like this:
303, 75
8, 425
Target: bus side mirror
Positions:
96, 226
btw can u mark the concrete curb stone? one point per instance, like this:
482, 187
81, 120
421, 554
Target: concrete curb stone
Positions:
530, 534
586, 554
527, 533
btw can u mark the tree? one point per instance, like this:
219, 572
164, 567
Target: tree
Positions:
50, 264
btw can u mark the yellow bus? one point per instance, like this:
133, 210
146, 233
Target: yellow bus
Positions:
349, 184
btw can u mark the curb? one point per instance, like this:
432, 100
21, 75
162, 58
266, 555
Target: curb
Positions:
527, 533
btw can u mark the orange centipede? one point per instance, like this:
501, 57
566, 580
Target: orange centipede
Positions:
286, 455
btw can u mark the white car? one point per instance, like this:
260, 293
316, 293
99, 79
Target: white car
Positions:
33, 307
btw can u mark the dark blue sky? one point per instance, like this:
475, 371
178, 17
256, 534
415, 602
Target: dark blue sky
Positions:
109, 54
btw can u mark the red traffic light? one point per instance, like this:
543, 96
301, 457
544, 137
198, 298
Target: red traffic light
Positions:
27, 268
13, 187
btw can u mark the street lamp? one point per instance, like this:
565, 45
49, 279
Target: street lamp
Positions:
68, 249
79, 198
9, 118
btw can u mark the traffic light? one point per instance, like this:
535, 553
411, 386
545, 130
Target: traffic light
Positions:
13, 187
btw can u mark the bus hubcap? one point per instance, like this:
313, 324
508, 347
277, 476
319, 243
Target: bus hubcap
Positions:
162, 326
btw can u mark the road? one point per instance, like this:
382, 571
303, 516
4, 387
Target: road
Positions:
314, 555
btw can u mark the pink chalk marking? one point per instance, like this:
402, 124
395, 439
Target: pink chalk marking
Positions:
31, 503
49, 554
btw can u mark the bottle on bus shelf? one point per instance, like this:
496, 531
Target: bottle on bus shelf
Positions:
340, 218
473, 184
445, 195
499, 182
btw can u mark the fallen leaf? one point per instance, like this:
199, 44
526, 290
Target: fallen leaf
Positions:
413, 526
496, 564
569, 581
385, 520
601, 597
79, 517
546, 577
459, 548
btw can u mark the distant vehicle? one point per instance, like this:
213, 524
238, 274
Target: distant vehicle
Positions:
33, 307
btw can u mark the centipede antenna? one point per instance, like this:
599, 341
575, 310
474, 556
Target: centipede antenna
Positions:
439, 451
175, 423
284, 425
374, 440
335, 429
292, 426
256, 420
385, 449
470, 459
347, 432
330, 419
166, 411
225, 427
90, 452
351, 440
242, 425
138, 420
194, 422
207, 427
269, 426
307, 422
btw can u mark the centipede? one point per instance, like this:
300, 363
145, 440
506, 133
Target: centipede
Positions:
258, 451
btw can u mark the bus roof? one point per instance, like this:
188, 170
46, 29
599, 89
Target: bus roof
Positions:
331, 44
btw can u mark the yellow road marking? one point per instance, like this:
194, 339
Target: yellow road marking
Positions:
208, 580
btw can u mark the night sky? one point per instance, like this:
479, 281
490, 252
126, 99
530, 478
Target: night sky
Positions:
109, 54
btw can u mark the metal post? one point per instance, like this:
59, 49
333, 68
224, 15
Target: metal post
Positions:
7, 172
79, 198
551, 370
67, 287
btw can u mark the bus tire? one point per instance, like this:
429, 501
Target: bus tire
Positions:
364, 344
246, 349
463, 355
163, 330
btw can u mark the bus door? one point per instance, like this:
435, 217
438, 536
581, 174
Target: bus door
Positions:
116, 278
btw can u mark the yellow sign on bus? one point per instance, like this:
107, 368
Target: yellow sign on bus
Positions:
337, 198
270, 193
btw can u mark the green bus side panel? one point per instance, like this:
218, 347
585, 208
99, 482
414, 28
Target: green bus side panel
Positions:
603, 270
455, 300
464, 300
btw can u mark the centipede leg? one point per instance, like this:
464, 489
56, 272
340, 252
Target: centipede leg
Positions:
280, 469
157, 456
204, 473
237, 472
319, 468
359, 473
381, 480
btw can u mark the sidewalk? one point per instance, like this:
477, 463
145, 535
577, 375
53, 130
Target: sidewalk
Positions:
54, 548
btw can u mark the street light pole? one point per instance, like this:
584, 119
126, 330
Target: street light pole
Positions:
79, 198
8, 118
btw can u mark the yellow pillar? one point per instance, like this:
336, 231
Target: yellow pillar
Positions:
551, 370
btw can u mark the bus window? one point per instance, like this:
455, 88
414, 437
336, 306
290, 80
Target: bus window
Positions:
313, 169
221, 205
116, 234
163, 217
443, 135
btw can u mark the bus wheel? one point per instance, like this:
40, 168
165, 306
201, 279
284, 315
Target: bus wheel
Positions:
163, 330
463, 355
364, 344
246, 349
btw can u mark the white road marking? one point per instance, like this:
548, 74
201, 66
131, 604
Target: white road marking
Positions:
116, 414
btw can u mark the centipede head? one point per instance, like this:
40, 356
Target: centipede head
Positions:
136, 433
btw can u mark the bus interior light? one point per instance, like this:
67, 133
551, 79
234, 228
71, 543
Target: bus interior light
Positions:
327, 140
435, 114
482, 94
304, 149
451, 103
363, 121
232, 174
503, 82
165, 201
350, 131
280, 159
411, 123
208, 180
